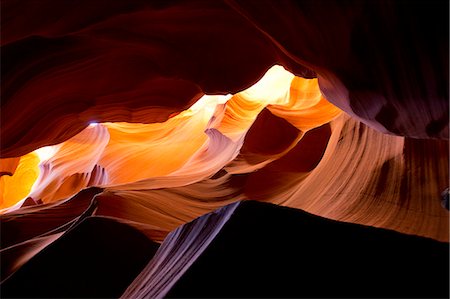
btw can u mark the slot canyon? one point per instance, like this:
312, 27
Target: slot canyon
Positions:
201, 149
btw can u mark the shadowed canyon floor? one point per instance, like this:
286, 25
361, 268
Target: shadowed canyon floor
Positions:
232, 253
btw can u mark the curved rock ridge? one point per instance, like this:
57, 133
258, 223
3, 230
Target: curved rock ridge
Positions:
140, 62
187, 148
344, 171
258, 145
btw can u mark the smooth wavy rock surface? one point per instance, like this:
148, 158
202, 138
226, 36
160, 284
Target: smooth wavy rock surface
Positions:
146, 115
139, 61
278, 141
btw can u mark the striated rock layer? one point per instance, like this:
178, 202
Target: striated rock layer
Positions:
144, 116
279, 141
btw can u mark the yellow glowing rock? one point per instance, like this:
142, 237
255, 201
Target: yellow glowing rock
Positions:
16, 187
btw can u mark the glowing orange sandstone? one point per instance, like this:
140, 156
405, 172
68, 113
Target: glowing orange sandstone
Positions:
189, 147
16, 187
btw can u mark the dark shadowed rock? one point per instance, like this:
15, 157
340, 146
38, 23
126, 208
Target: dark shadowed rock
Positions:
96, 259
